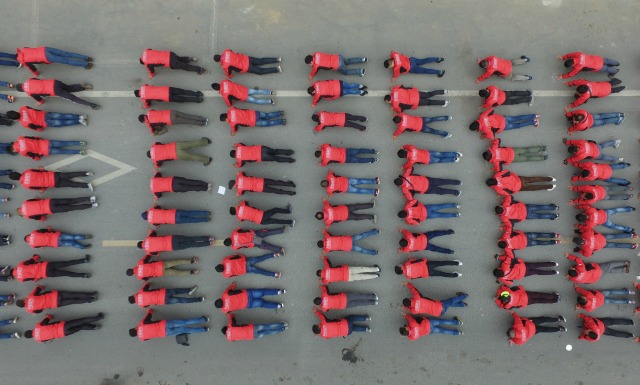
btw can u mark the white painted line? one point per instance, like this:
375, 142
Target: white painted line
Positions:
123, 168
64, 162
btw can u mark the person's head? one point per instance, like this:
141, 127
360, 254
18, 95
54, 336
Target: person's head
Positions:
585, 173
498, 273
223, 117
403, 243
141, 118
319, 215
324, 183
15, 175
13, 115
133, 332
308, 59
224, 330
402, 153
140, 60
388, 63
486, 155
232, 210
483, 64
232, 154
578, 241
398, 181
129, 272
578, 117
227, 242
589, 195
218, 303
406, 302
11, 150
592, 335
311, 90
20, 303
582, 300
216, 86
315, 118
572, 149
320, 244
484, 93
502, 244
144, 215
139, 245
19, 87
317, 301
216, 58
136, 93
398, 270
475, 126
404, 331
148, 154
511, 333
231, 184
25, 238
387, 98
568, 63
491, 182
219, 268
581, 217
499, 210
397, 119
402, 214
28, 334
505, 297
317, 154
582, 89
315, 329
572, 272
132, 299
319, 273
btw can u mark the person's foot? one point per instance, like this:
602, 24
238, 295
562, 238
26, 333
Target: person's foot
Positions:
88, 66
562, 329
202, 71
95, 106
440, 60
460, 333
293, 223
375, 219
14, 320
376, 192
195, 260
378, 267
363, 92
208, 162
195, 271
101, 315
90, 187
15, 335
525, 58
441, 74
277, 275
86, 275
552, 188
561, 319
459, 262
459, 320
279, 69
208, 187
458, 275
87, 258
446, 103
207, 139
634, 235
193, 290
206, 121
94, 205
82, 121
281, 253
460, 293
531, 101
280, 306
620, 120
558, 297
362, 73
10, 99
212, 239
87, 86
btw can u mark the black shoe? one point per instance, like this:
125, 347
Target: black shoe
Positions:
207, 139
86, 275
101, 315
441, 74
87, 258
440, 60
95, 106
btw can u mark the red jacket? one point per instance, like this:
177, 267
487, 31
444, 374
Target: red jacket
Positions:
508, 183
241, 239
514, 211
329, 301
524, 329
513, 268
587, 149
37, 301
498, 66
596, 90
518, 297
247, 154
234, 265
583, 62
401, 64
415, 268
333, 214
336, 242
418, 327
238, 117
333, 274
413, 184
44, 87
39, 238
159, 216
146, 269
595, 217
148, 329
496, 97
32, 118
244, 212
162, 117
597, 171
421, 304
591, 324
581, 125
595, 299
326, 89
515, 239
154, 244
330, 119
160, 184
491, 124
231, 92
232, 302
404, 98
32, 147
163, 152
500, 156
415, 243
599, 193
337, 183
416, 212
332, 328
238, 332
238, 61
408, 122
50, 331
150, 93
145, 297
38, 179
33, 208
324, 61
248, 183
587, 272
415, 156
28, 55
31, 270
150, 56
330, 154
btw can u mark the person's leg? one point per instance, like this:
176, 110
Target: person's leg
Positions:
187, 145
73, 298
66, 54
437, 329
438, 249
536, 268
182, 63
254, 69
253, 100
619, 166
433, 210
614, 226
615, 267
257, 270
65, 92
513, 124
615, 90
271, 190
612, 245
268, 246
617, 301
62, 264
438, 233
178, 117
263, 330
191, 216
434, 272
171, 263
352, 155
428, 130
612, 321
270, 123
183, 154
264, 233
183, 185
359, 273
365, 234
616, 333
538, 297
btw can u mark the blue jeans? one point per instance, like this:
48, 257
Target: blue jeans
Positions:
3, 148
4, 97
191, 216
54, 147
7, 186
4, 84
55, 55
170, 296
366, 234
519, 121
352, 155
5, 336
267, 119
252, 269
415, 63
353, 182
350, 88
433, 210
70, 240
263, 233
345, 62
532, 241
181, 326
261, 330
255, 298
610, 158
443, 157
606, 118
532, 211
55, 119
457, 301
356, 318
617, 301
4, 298
436, 322
10, 63
437, 233
251, 99
612, 225
428, 130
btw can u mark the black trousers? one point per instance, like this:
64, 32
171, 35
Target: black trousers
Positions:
54, 269
180, 95
66, 298
63, 179
63, 205
64, 91
75, 325
181, 63
179, 184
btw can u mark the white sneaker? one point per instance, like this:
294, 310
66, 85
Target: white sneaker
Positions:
553, 179
94, 205
450, 117
459, 263
15, 335
459, 274
616, 144
552, 188
90, 187
279, 69
446, 103
193, 289
92, 199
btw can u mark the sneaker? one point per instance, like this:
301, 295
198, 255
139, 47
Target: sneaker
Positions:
193, 290
448, 136
88, 66
376, 193
279, 59
531, 102
283, 291
88, 173
280, 306
440, 60
206, 121
459, 263
446, 103
195, 271
90, 187
460, 333
525, 58
529, 77
457, 274
89, 58
362, 73
561, 319
101, 315
293, 223
284, 122
10, 99
278, 275
562, 329
363, 92
15, 335
87, 86
282, 253
459, 320
552, 188
456, 160
378, 267
616, 144
87, 258
206, 329
377, 180
202, 71
95, 106
373, 203
82, 152
368, 330
14, 320
375, 219
536, 122
445, 91
441, 74
620, 120
94, 205
82, 143
279, 69
559, 297
82, 121
195, 260
4, 199
273, 93
208, 162
273, 102
86, 275
212, 239
206, 319
209, 187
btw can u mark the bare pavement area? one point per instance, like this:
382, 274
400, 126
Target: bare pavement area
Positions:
115, 33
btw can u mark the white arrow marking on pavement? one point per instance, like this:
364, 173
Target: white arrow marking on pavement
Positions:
123, 168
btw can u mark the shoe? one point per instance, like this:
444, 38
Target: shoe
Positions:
525, 58
280, 306
283, 291
209, 187
82, 152
459, 263
620, 120
207, 139
82, 121
529, 77
94, 205
362, 73
284, 122
459, 320
552, 188
208, 162
89, 58
279, 69
377, 180
441, 74
202, 71
87, 258
15, 335
448, 136
88, 66
293, 223
101, 315
368, 330
90, 187
634, 236
457, 274
195, 271
195, 260
10, 99
446, 103
460, 333
376, 193
445, 91
635, 246
278, 275
531, 102
273, 93
202, 299
363, 92
561, 319
87, 86
88, 173
456, 160
378, 267
14, 320
193, 290
212, 239
559, 297
282, 253
86, 275
562, 329
206, 121
616, 143
375, 219
95, 106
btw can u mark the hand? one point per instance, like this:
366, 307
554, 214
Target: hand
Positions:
309, 77
559, 57
559, 77
478, 80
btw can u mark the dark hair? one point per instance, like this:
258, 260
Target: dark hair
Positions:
317, 154
141, 118
402, 153
498, 273
402, 214
582, 300
403, 243
223, 117
483, 63
319, 216
317, 301
502, 244
133, 332
404, 331
572, 149
387, 63
139, 245
387, 98
582, 89
486, 155
19, 87
324, 183
475, 126
397, 119
585, 173
13, 115
136, 93
581, 217
499, 210
308, 59
484, 93
28, 334
129, 272
315, 329
144, 215
315, 118
232, 153
216, 58
320, 244
25, 238
398, 270
14, 175
232, 210
505, 298
319, 273
406, 302
215, 86
219, 268
572, 272
491, 182
592, 335
231, 183
398, 181
311, 90
227, 242
568, 63
132, 299
218, 303
20, 302
148, 154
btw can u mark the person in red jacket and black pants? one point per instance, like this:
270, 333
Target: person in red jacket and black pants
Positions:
245, 183
46, 330
244, 154
40, 88
34, 270
342, 327
244, 212
586, 90
593, 328
39, 209
41, 179
39, 299
337, 119
154, 244
152, 59
162, 184
512, 268
523, 329
493, 97
149, 93
236, 62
